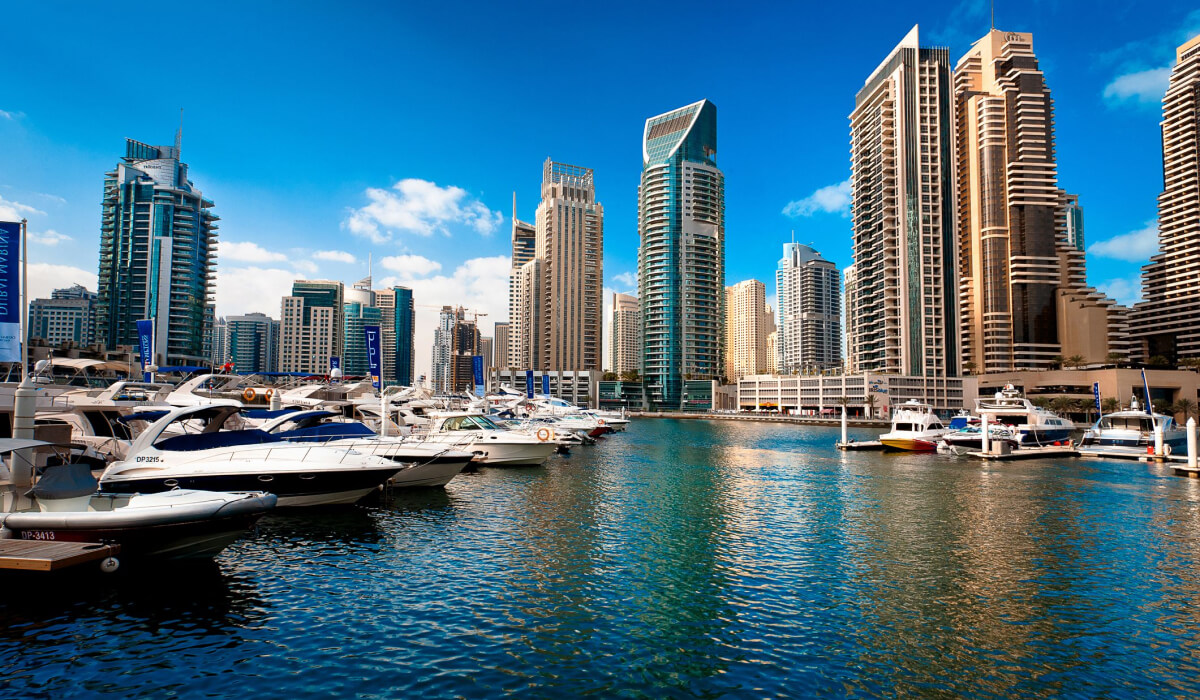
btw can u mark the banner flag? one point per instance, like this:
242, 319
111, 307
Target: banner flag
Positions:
546, 384
1096, 393
374, 355
477, 370
335, 363
529, 384
10, 291
145, 329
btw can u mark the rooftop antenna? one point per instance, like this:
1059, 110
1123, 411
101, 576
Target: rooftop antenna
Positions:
179, 133
369, 266
993, 15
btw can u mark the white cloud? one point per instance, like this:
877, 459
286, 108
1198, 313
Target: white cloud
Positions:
241, 290
247, 252
627, 279
47, 237
1125, 290
1135, 246
1141, 87
44, 278
421, 207
411, 266
831, 199
11, 116
334, 256
478, 284
308, 267
15, 211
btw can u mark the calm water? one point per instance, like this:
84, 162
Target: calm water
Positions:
683, 558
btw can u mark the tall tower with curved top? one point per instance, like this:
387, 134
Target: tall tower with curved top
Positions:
681, 260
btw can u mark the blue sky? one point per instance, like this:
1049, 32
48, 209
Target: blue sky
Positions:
326, 134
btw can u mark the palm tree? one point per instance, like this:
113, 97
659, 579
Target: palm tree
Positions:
1056, 362
1161, 406
1184, 406
1075, 361
1040, 401
1062, 404
1110, 405
870, 404
969, 367
1158, 361
1115, 358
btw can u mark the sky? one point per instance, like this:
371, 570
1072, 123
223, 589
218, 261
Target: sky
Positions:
401, 131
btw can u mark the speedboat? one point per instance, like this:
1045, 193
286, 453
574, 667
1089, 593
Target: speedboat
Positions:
177, 524
1033, 426
1134, 429
423, 464
491, 444
301, 474
915, 428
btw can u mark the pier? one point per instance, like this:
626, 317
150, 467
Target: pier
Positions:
38, 555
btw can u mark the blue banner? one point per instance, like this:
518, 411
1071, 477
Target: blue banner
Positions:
10, 291
145, 329
1096, 393
546, 384
374, 355
477, 370
335, 363
529, 384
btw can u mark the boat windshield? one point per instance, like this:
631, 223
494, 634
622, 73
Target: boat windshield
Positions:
469, 423
903, 426
1138, 423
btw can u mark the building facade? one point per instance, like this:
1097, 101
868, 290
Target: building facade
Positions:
524, 250
158, 258
500, 345
440, 368
904, 293
250, 342
1165, 323
867, 394
68, 316
810, 311
625, 343
681, 259
525, 334
397, 326
311, 330
746, 328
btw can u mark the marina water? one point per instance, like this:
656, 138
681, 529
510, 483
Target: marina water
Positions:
682, 558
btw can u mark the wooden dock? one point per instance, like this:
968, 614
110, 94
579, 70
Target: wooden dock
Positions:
38, 555
1028, 453
860, 445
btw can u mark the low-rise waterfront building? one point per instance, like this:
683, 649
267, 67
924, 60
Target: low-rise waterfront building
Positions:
578, 387
1123, 384
868, 394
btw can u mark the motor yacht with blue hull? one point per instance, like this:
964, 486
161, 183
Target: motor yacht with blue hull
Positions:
424, 464
1032, 426
65, 506
299, 474
1134, 429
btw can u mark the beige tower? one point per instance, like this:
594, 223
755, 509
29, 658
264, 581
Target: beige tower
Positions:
311, 326
746, 330
524, 247
626, 342
1167, 323
570, 244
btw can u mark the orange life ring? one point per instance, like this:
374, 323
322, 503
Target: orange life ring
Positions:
249, 394
600, 422
269, 393
544, 434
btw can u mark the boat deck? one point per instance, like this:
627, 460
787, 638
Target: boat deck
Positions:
860, 445
1028, 453
37, 555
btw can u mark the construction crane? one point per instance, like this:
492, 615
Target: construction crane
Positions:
474, 313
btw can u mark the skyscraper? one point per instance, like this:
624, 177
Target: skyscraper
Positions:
500, 346
905, 318
1166, 324
525, 335
252, 342
158, 240
681, 259
441, 365
359, 311
311, 326
810, 315
570, 244
524, 249
625, 346
68, 316
396, 332
746, 329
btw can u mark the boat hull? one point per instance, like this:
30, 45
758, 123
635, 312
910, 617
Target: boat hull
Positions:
294, 488
432, 474
909, 444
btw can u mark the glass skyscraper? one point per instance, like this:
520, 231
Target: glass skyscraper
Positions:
158, 240
681, 260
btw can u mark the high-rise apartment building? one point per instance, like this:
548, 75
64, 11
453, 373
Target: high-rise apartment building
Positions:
311, 326
625, 344
570, 244
524, 249
158, 240
746, 328
68, 316
359, 311
810, 315
525, 334
397, 326
251, 342
1023, 295
1166, 323
681, 259
456, 341
441, 365
500, 345
905, 318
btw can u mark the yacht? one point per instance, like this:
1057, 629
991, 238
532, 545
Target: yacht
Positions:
177, 524
1033, 426
969, 435
1134, 429
424, 464
300, 474
915, 428
491, 444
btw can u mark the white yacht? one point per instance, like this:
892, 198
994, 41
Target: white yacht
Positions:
491, 444
1033, 426
300, 474
915, 428
1134, 429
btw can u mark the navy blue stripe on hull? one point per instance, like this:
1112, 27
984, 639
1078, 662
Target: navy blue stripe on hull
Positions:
284, 485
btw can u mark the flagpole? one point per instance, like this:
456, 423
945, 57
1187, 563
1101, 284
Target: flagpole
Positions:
24, 300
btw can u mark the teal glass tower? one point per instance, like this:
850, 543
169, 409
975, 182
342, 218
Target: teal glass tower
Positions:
158, 240
681, 260
356, 317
